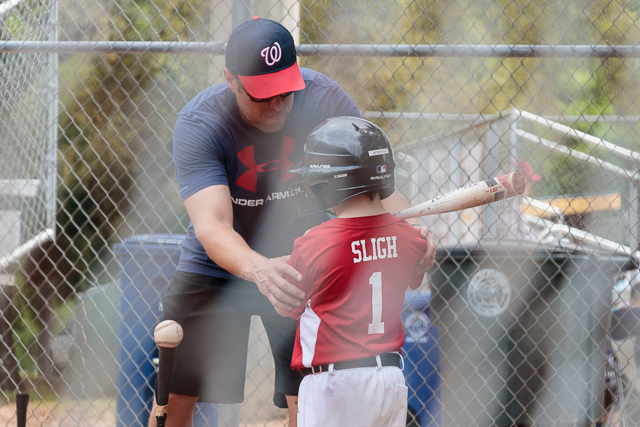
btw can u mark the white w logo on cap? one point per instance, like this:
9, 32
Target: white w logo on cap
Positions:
271, 54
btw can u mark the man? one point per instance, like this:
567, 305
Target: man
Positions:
232, 146
356, 269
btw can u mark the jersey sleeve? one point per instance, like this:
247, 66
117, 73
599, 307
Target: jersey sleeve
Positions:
199, 158
307, 283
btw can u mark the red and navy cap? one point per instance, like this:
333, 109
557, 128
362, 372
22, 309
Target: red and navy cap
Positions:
262, 53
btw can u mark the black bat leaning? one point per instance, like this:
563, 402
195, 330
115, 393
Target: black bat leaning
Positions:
22, 403
168, 335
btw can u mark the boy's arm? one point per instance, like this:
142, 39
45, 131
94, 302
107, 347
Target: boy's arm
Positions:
395, 203
420, 247
416, 281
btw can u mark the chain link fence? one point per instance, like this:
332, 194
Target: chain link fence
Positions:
522, 321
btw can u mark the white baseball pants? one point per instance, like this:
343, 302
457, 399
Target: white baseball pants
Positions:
359, 397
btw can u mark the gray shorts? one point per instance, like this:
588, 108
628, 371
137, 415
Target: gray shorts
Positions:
215, 315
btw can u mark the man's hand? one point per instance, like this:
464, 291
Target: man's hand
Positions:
429, 257
269, 274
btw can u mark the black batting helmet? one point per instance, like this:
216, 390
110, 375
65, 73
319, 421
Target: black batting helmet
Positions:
346, 156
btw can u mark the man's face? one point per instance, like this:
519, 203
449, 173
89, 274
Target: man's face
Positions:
269, 116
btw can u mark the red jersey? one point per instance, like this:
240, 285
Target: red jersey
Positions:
355, 272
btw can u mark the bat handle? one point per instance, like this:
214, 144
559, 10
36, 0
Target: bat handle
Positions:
160, 420
22, 403
165, 368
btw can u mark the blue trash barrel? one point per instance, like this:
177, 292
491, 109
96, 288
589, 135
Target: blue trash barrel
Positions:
421, 361
147, 263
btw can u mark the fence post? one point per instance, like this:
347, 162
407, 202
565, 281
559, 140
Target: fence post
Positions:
9, 377
634, 237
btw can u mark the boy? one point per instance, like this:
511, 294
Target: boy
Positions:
356, 269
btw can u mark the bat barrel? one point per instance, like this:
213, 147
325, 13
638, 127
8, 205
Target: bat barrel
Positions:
469, 196
518, 183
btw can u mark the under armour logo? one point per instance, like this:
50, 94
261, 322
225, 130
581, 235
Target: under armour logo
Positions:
249, 179
271, 54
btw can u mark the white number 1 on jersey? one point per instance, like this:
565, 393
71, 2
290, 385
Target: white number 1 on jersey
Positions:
377, 325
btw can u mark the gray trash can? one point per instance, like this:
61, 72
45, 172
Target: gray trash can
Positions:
94, 326
523, 332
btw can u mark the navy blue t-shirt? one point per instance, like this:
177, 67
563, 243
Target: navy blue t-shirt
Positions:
213, 145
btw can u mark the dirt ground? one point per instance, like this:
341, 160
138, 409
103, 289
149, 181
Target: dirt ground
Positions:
61, 415
89, 414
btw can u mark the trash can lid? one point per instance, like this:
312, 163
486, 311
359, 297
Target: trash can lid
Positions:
528, 249
148, 243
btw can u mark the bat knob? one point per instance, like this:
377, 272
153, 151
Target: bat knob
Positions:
161, 420
518, 183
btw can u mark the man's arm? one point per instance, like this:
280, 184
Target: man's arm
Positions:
395, 203
211, 214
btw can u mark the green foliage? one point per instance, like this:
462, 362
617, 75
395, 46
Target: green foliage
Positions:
107, 126
15, 27
472, 85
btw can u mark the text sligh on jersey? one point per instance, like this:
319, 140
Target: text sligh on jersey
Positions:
374, 249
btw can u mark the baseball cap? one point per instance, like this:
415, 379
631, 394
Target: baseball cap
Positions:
525, 169
262, 54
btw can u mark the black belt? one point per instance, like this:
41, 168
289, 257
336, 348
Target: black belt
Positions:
387, 359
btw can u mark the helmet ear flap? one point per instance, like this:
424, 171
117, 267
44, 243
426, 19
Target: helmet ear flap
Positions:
319, 188
307, 203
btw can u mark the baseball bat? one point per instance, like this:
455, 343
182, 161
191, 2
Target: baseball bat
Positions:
469, 196
168, 335
22, 403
